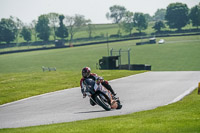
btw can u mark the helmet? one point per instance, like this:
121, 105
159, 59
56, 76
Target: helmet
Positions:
86, 72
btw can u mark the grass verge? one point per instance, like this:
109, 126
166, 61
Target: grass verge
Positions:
180, 117
17, 86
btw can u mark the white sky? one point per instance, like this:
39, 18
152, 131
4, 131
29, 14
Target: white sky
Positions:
95, 10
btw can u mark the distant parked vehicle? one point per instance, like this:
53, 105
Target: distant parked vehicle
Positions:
152, 40
161, 41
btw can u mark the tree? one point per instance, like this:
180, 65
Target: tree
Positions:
33, 25
116, 13
195, 15
127, 23
42, 28
26, 34
159, 15
53, 20
177, 15
8, 30
90, 29
19, 24
148, 17
62, 30
74, 24
158, 26
140, 22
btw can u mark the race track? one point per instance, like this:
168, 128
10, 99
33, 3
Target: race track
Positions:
138, 92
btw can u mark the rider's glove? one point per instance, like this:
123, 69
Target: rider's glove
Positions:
84, 95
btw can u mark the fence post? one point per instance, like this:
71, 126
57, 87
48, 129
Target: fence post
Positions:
120, 56
129, 61
199, 89
111, 52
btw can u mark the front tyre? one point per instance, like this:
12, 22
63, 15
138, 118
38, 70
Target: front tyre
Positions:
103, 101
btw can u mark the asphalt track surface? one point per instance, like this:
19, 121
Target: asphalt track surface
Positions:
137, 93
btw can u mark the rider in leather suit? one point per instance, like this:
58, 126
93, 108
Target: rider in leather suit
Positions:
86, 73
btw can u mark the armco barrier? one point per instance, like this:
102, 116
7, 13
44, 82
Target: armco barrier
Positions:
135, 67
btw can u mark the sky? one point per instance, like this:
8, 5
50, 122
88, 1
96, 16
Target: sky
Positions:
95, 10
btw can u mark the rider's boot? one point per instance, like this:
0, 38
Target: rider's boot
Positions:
112, 91
119, 106
109, 88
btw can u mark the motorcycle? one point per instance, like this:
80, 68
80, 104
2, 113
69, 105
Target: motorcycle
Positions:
101, 96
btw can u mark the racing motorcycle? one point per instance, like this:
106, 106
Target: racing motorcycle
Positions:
101, 96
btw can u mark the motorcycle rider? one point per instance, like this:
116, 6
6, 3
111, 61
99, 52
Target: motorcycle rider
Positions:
86, 73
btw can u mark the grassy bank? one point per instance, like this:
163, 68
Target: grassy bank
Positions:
17, 86
21, 74
178, 53
180, 117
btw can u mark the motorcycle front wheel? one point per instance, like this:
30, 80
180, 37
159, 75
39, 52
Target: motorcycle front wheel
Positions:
103, 101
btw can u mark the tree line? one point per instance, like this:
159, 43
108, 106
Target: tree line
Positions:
176, 16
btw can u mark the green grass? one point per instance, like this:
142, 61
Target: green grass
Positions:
21, 76
180, 117
17, 86
112, 29
181, 55
178, 53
